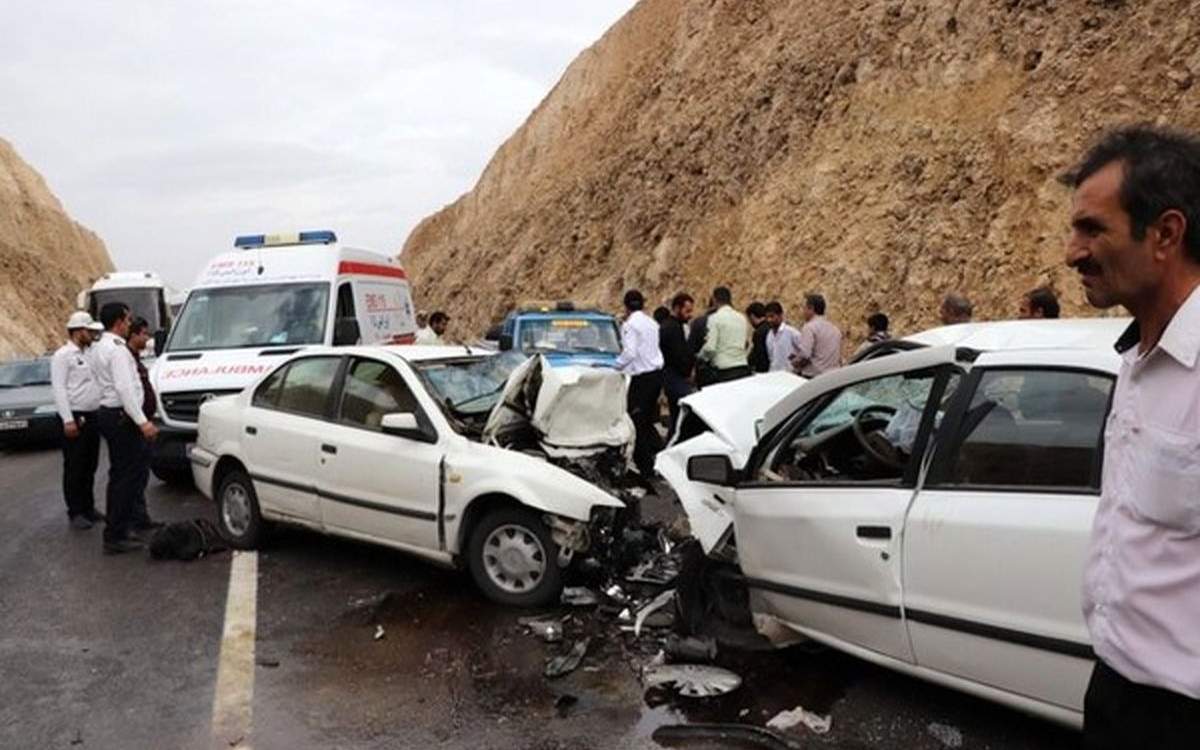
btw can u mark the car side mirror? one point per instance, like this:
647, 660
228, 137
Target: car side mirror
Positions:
405, 425
160, 339
506, 342
493, 334
346, 332
712, 469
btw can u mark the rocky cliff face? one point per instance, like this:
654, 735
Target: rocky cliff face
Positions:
883, 152
45, 259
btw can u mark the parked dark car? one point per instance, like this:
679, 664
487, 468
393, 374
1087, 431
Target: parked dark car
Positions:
27, 413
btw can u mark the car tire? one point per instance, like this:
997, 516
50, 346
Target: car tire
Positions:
173, 477
513, 558
238, 516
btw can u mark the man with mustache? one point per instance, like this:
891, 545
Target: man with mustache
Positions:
1135, 241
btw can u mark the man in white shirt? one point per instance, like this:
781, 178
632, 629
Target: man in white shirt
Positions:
125, 429
1135, 241
77, 398
783, 340
432, 335
641, 358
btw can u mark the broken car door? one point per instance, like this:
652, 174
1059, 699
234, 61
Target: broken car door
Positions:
819, 522
995, 543
375, 484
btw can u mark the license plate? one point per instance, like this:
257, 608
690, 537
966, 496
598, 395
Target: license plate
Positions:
14, 424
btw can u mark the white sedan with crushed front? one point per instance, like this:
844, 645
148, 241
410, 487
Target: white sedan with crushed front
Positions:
462, 457
928, 510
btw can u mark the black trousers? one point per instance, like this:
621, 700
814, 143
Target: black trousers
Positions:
643, 410
80, 457
676, 387
128, 473
732, 373
1119, 713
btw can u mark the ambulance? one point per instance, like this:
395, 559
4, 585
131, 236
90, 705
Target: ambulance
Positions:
145, 294
251, 308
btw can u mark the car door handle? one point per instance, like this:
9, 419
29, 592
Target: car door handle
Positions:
874, 532
327, 448
251, 430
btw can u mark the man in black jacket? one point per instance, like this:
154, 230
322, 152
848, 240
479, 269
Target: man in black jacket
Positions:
760, 358
678, 358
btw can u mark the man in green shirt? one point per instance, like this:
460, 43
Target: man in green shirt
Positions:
727, 342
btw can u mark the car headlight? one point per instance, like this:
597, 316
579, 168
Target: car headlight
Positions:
46, 409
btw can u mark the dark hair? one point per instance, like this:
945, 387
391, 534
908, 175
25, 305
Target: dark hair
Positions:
816, 302
634, 300
138, 326
757, 310
722, 296
1043, 298
774, 307
1161, 171
878, 322
439, 317
661, 314
681, 299
112, 313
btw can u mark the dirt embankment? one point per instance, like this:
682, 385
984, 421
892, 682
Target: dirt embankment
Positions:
45, 259
883, 152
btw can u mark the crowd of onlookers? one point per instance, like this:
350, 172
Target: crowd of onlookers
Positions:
674, 351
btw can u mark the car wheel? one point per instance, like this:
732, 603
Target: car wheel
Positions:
513, 558
173, 477
237, 510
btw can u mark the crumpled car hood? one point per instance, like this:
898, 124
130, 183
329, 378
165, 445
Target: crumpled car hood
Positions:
731, 411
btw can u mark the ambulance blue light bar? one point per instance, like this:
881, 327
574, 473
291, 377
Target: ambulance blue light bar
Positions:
317, 237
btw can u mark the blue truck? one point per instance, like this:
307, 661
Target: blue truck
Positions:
566, 335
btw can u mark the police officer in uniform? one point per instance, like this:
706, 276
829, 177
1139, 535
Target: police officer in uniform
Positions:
77, 398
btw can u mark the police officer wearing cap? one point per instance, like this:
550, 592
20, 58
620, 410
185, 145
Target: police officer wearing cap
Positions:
77, 398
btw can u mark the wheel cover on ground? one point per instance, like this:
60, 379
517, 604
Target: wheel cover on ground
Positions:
514, 558
235, 509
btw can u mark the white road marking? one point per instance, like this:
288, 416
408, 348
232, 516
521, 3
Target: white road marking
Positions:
233, 698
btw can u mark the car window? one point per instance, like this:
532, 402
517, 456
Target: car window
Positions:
1033, 428
371, 390
307, 384
267, 393
865, 432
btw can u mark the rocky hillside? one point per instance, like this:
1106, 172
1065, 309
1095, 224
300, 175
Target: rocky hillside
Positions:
883, 152
45, 259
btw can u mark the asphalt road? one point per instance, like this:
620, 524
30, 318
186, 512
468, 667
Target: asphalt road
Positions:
122, 652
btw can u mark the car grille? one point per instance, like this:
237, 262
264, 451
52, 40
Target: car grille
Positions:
185, 406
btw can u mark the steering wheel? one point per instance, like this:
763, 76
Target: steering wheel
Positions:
888, 456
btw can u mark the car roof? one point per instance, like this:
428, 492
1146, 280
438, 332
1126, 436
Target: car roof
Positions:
1012, 335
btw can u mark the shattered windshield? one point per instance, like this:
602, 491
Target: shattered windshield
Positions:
470, 386
570, 335
31, 372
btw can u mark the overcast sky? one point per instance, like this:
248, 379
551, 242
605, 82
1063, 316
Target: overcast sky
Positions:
169, 128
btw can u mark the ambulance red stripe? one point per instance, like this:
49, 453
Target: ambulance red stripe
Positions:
370, 269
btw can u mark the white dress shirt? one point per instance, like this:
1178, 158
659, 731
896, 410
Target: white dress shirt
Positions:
1141, 589
117, 376
73, 382
640, 352
782, 343
427, 337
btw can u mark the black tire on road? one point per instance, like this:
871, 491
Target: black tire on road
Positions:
514, 538
238, 516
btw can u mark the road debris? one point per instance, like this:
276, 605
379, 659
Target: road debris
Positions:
379, 633
563, 704
785, 720
738, 735
947, 735
579, 596
655, 604
549, 629
659, 570
268, 663
691, 650
566, 663
692, 680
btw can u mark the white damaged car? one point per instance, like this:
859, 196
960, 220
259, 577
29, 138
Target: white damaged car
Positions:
462, 457
927, 510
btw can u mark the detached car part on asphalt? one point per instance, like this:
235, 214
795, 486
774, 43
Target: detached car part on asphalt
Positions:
927, 510
509, 468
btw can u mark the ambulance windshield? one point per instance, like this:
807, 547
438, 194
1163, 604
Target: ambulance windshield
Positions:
252, 316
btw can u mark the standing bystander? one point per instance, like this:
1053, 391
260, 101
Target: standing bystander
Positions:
726, 340
955, 309
139, 338
77, 397
820, 347
760, 358
1135, 241
642, 359
678, 359
124, 427
1039, 303
783, 340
